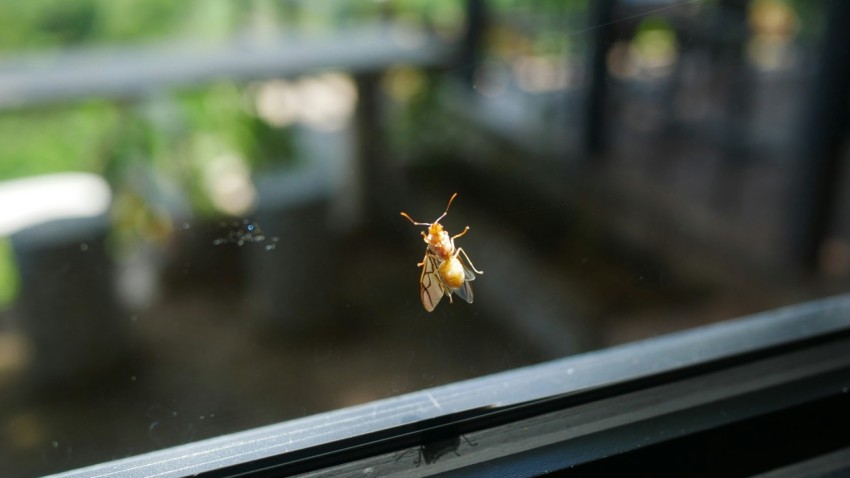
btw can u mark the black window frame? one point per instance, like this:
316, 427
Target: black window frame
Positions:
689, 402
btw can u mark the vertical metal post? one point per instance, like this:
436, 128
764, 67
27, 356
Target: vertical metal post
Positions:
470, 48
736, 82
824, 131
595, 137
379, 178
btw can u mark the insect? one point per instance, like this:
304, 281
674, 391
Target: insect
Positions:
443, 271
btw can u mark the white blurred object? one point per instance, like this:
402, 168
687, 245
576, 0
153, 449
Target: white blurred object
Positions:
31, 201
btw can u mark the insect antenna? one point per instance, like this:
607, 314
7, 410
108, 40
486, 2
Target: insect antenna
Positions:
447, 208
436, 221
414, 222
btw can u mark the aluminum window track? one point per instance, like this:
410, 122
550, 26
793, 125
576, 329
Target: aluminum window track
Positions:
769, 393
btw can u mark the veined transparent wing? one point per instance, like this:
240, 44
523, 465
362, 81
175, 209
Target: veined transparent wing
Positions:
464, 291
431, 289
468, 273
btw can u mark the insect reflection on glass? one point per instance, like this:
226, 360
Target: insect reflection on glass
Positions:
443, 270
433, 451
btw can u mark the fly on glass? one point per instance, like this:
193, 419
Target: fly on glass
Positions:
443, 270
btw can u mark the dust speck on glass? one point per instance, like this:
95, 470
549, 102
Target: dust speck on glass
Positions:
241, 233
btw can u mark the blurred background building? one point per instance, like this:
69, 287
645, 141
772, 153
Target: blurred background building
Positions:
199, 201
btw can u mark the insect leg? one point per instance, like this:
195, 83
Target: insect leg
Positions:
459, 250
427, 256
465, 230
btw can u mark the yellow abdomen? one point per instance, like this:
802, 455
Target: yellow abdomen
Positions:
451, 272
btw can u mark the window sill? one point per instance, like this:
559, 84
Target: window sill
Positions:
693, 394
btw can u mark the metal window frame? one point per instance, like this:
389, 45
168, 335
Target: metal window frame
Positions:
560, 415
141, 71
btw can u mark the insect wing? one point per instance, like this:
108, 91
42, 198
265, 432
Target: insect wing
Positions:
468, 273
464, 291
430, 287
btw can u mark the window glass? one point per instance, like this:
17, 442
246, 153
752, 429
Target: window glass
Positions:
200, 228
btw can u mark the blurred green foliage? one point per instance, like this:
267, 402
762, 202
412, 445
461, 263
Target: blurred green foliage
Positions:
40, 24
8, 275
46, 140
54, 24
170, 131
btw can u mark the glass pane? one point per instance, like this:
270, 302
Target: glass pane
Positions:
200, 228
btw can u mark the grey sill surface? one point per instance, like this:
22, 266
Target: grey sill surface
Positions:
564, 377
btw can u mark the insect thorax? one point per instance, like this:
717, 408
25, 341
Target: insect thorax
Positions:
440, 245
